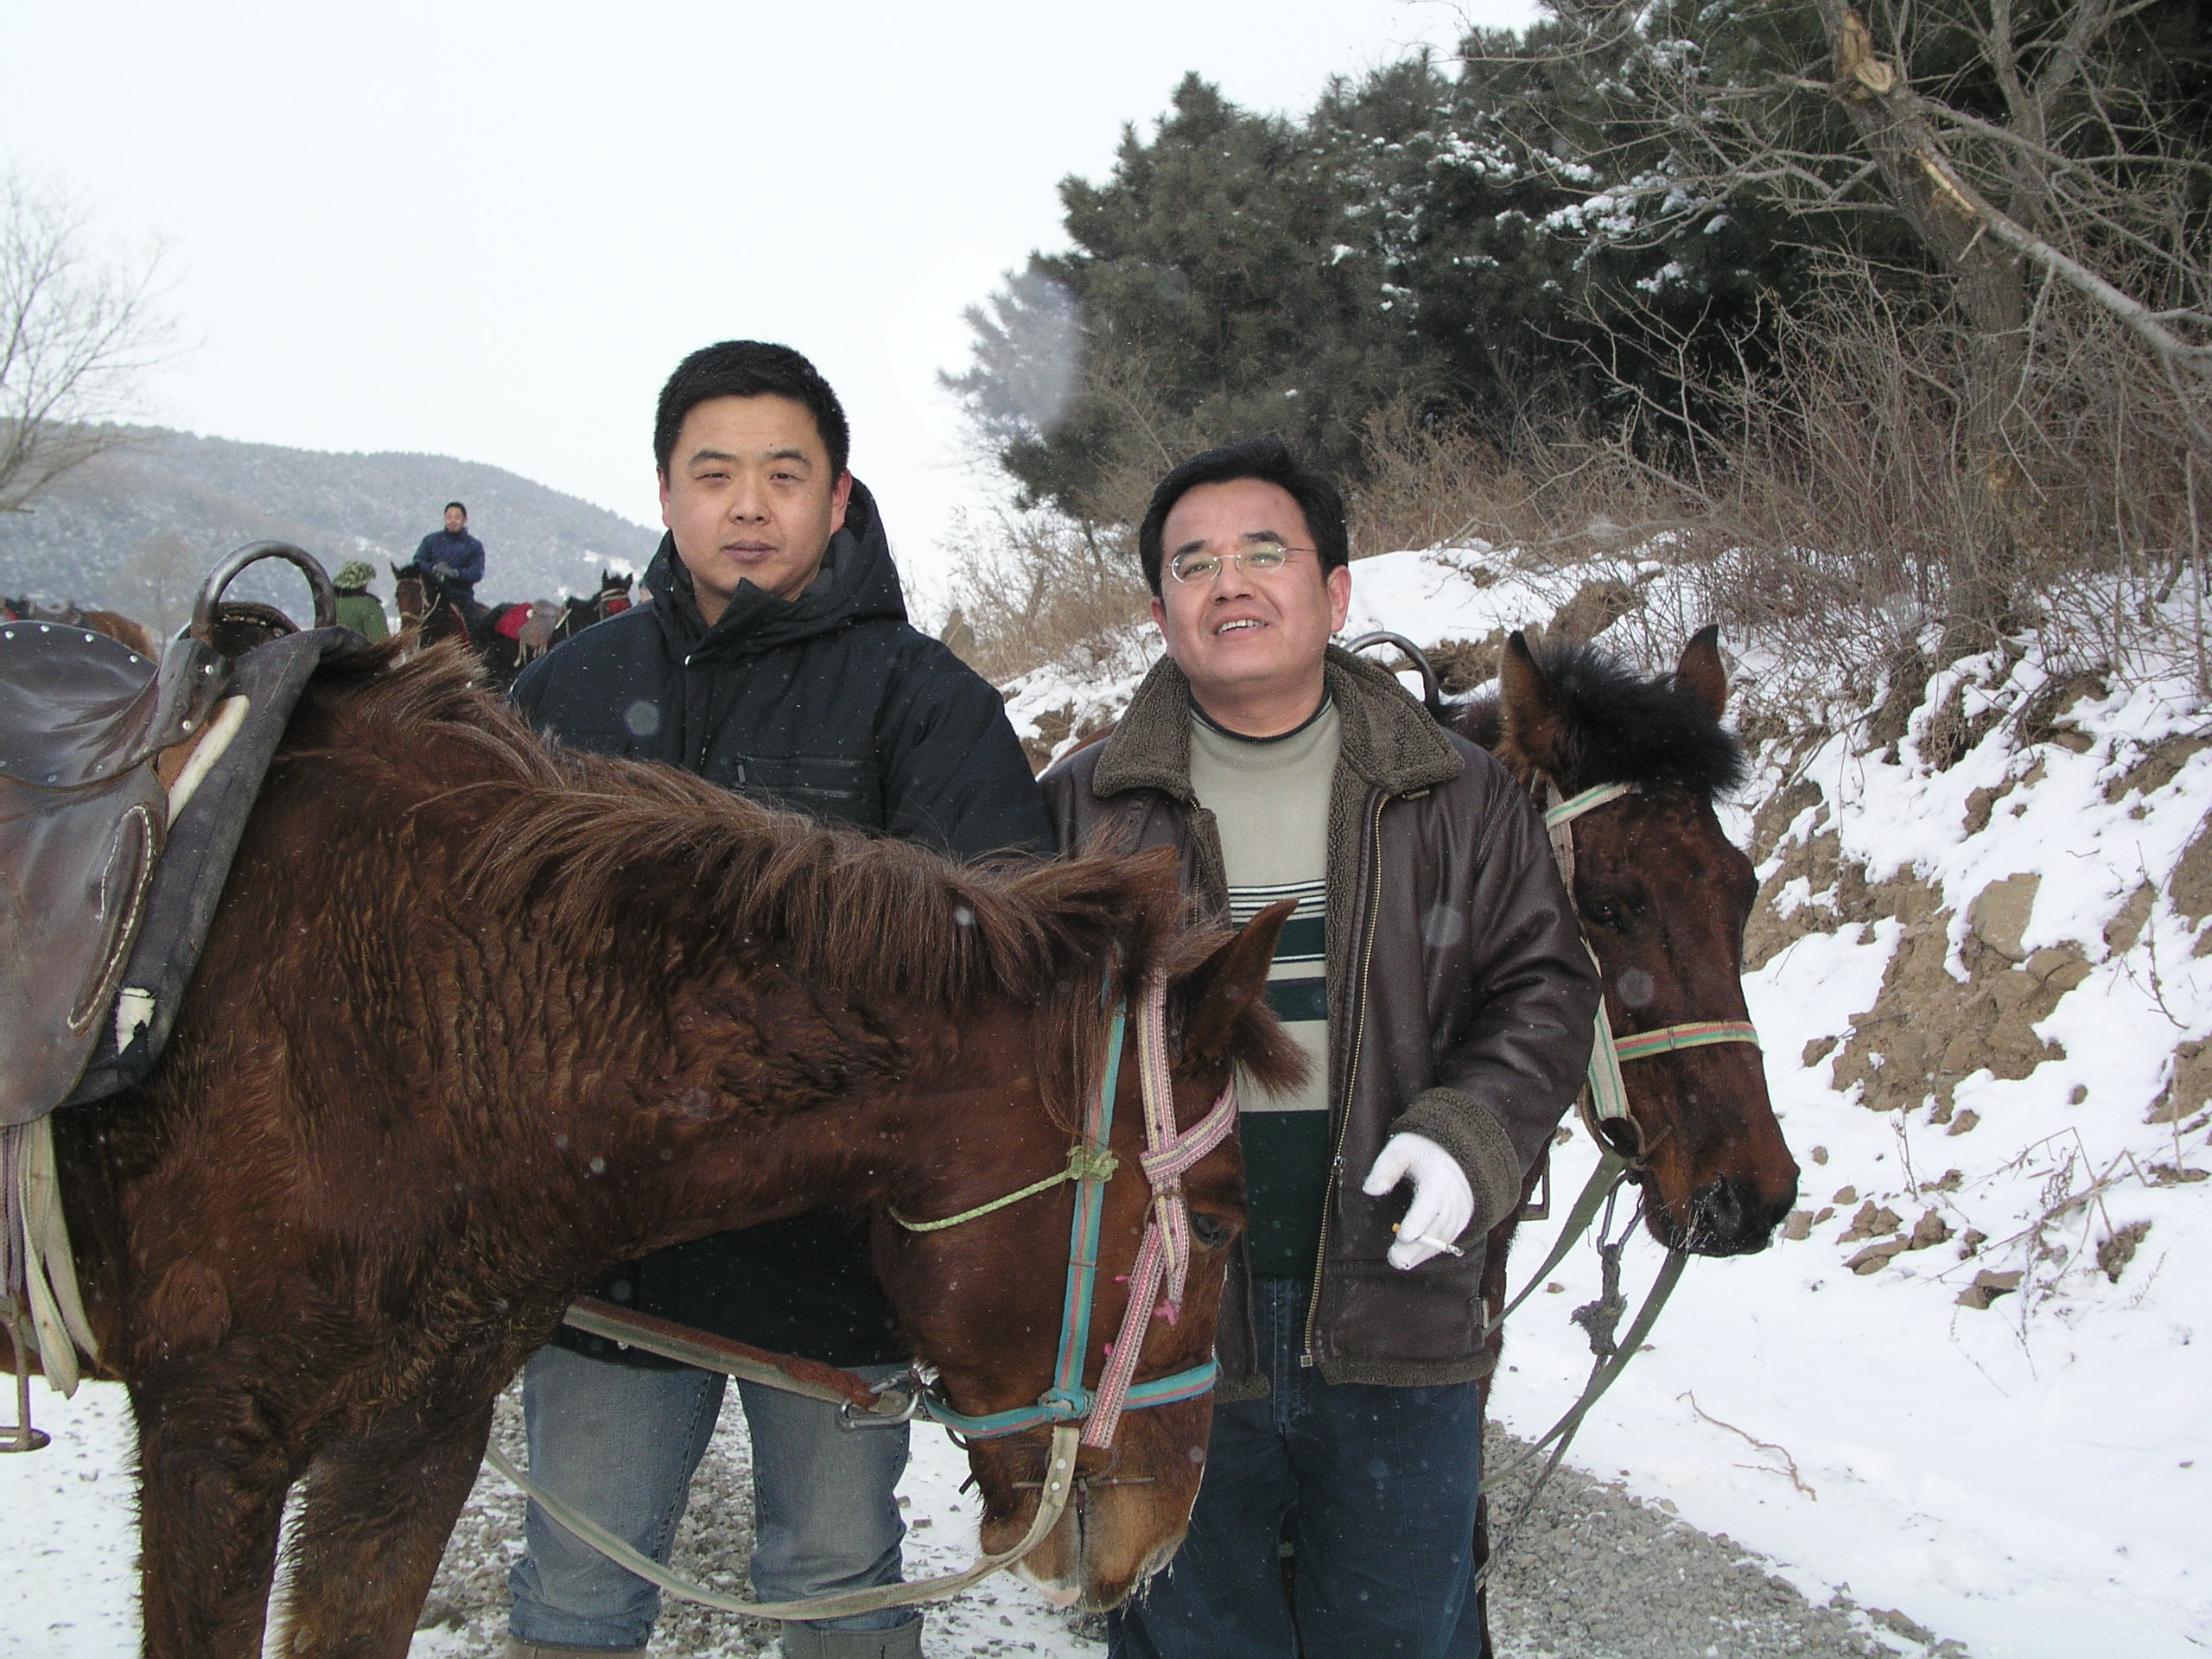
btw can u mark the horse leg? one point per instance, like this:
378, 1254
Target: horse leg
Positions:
213, 1472
372, 1524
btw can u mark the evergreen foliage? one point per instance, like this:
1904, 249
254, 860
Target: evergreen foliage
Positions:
1562, 219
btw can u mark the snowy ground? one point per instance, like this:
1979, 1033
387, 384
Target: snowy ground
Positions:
1595, 1573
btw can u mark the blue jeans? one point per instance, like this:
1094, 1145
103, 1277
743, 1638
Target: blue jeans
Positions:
621, 1444
1375, 1487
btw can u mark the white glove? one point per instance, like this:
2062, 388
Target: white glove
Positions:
1443, 1204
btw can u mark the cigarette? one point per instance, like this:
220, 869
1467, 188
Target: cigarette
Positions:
1431, 1239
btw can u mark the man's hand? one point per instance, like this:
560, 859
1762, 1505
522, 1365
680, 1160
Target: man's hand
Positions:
1443, 1204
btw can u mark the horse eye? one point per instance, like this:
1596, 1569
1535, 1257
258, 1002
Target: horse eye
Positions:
1604, 915
1210, 1230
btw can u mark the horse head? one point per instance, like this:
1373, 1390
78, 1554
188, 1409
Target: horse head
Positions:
998, 1313
1663, 897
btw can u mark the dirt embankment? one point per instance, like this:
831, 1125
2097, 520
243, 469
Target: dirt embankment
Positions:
1956, 1000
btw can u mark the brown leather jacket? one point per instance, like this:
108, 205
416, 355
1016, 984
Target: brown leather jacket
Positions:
1461, 1001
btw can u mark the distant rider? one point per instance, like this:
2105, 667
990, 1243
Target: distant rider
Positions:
454, 557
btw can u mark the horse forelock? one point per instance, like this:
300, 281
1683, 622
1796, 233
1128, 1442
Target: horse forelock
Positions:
1617, 727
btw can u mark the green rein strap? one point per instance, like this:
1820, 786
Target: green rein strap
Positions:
1085, 1163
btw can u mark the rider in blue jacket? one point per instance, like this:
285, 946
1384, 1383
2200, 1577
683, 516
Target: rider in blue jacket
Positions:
455, 556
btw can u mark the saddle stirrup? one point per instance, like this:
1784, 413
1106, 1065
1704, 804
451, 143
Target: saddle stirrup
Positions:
19, 1436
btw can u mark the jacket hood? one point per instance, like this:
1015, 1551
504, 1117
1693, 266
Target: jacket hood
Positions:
1386, 737
857, 583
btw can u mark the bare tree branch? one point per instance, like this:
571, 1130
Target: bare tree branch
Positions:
77, 335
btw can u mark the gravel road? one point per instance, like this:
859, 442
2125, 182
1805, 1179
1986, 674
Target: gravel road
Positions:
1595, 1574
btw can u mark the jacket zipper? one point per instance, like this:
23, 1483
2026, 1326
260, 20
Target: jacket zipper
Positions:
1352, 1072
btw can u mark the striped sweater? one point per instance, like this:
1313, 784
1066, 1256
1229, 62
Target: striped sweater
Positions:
1269, 798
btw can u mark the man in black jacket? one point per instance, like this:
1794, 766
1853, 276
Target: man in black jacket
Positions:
776, 660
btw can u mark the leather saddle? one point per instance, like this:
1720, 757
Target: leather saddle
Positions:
84, 818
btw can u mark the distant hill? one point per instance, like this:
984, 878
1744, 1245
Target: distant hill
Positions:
136, 529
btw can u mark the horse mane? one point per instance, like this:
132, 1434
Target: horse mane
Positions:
1620, 728
578, 842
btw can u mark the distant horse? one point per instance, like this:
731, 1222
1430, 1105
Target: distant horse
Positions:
430, 611
110, 623
511, 636
478, 1020
577, 614
1663, 898
428, 607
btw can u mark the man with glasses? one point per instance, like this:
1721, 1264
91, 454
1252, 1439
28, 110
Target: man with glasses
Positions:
1435, 975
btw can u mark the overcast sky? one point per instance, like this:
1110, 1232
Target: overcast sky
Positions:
491, 230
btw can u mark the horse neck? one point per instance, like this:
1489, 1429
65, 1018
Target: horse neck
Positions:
792, 1099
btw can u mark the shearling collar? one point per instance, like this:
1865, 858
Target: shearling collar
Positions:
1386, 737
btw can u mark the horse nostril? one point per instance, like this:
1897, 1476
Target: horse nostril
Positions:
1727, 1218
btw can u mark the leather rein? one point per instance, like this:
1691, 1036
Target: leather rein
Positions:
1076, 1415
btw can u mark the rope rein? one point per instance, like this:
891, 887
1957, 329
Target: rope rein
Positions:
1078, 1416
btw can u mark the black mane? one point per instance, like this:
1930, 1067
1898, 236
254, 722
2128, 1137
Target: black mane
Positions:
1622, 728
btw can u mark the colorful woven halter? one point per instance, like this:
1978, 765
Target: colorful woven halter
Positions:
1163, 1254
1608, 1095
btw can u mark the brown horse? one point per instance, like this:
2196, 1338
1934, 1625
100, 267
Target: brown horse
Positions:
611, 598
478, 1020
1663, 897
426, 608
113, 624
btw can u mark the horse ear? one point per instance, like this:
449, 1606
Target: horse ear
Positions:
1528, 708
1222, 990
1700, 674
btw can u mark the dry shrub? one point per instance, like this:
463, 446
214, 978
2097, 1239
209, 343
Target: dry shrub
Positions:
1030, 588
1551, 488
1820, 500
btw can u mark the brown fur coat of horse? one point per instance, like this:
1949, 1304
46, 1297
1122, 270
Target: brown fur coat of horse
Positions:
480, 1019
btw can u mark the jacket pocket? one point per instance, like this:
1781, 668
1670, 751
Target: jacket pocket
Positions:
827, 785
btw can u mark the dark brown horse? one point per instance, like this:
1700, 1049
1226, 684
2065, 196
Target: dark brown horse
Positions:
577, 614
478, 1020
1663, 897
426, 607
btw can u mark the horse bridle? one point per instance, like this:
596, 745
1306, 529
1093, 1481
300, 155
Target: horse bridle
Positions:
1163, 1254
1605, 1102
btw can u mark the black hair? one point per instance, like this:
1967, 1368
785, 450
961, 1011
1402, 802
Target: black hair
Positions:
450, 506
1269, 460
749, 368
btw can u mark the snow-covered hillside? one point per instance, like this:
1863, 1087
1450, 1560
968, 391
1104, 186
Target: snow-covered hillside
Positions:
138, 528
1965, 1392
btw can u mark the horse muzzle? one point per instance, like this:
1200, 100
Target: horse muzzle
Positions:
1729, 1217
1114, 1535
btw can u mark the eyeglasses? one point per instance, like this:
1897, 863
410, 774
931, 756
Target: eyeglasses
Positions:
1200, 566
